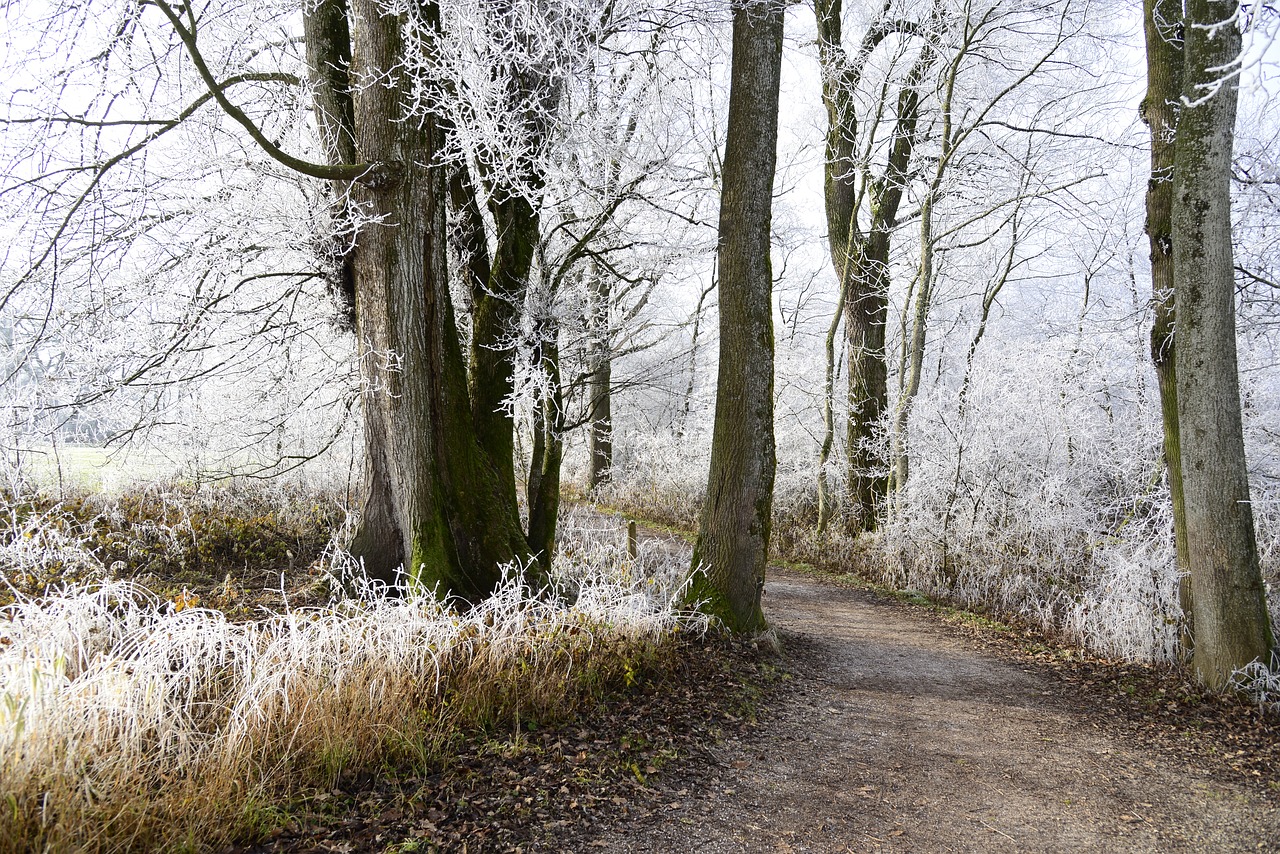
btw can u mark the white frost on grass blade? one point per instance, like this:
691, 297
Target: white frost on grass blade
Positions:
115, 703
1260, 683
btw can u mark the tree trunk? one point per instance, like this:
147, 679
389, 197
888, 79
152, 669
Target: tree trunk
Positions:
494, 327
861, 260
599, 385
866, 310
825, 508
733, 535
328, 39
600, 435
1162, 20
1232, 627
865, 322
434, 503
548, 453
915, 352
470, 243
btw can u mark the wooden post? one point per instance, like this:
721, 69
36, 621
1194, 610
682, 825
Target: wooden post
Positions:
631, 539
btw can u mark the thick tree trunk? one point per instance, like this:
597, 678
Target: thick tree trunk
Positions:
434, 503
733, 535
1232, 627
1162, 21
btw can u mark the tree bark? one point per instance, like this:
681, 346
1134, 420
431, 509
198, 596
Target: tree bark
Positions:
1162, 22
494, 328
328, 41
1232, 627
599, 385
435, 504
861, 260
733, 535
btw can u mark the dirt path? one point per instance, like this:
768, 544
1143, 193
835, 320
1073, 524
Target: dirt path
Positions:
899, 735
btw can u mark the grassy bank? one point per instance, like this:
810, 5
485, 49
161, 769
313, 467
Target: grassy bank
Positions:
133, 716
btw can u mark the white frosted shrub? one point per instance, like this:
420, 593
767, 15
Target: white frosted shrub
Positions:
1128, 606
592, 556
661, 473
1042, 499
1261, 683
41, 546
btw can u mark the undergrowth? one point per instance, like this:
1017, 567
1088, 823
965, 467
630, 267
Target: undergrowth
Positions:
1107, 586
131, 721
171, 533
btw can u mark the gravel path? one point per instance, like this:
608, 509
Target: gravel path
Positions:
898, 734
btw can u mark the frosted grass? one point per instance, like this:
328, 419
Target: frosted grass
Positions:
123, 715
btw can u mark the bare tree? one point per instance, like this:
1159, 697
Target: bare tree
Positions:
959, 127
860, 253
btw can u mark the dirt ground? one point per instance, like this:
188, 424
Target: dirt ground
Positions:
879, 726
896, 733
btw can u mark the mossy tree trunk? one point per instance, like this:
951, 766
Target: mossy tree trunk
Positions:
435, 502
733, 534
861, 258
1162, 24
1231, 624
495, 325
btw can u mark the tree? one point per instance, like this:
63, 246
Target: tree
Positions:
438, 500
860, 254
1230, 620
733, 535
1162, 25
439, 497
978, 29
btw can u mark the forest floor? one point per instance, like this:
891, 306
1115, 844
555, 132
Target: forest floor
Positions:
880, 725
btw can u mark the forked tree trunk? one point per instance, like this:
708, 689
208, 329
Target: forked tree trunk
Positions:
1162, 22
861, 260
733, 535
1232, 627
435, 503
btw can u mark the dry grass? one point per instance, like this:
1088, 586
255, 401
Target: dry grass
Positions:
131, 722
